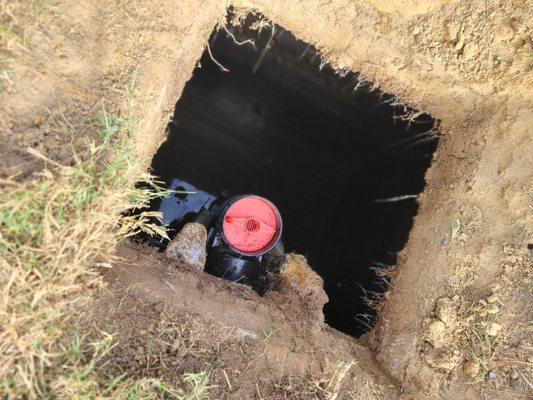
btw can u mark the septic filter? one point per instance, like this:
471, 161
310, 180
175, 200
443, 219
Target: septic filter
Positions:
247, 228
251, 225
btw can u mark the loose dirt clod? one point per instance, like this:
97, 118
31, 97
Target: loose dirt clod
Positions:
446, 310
307, 283
436, 334
471, 368
443, 359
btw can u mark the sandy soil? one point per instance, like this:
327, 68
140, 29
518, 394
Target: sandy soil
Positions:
466, 270
175, 320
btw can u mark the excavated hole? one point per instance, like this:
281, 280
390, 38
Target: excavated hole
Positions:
342, 161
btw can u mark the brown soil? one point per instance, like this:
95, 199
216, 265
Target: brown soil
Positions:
466, 63
175, 320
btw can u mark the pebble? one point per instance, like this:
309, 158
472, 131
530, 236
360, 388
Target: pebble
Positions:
159, 306
459, 45
493, 328
38, 120
245, 334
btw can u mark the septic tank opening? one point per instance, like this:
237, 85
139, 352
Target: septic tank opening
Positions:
343, 162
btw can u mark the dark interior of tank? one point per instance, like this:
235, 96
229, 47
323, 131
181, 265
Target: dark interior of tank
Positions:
344, 162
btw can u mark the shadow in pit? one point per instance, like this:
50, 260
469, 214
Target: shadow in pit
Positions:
342, 161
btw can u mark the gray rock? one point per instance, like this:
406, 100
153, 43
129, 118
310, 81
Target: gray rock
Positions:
189, 246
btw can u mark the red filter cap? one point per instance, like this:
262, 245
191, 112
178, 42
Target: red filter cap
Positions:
252, 225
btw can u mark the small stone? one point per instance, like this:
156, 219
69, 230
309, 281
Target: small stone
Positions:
459, 46
493, 375
243, 334
453, 33
159, 306
493, 309
492, 299
492, 329
38, 120
471, 368
189, 246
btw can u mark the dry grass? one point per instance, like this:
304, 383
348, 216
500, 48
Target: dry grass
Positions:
328, 386
54, 230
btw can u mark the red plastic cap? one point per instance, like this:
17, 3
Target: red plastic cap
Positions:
252, 225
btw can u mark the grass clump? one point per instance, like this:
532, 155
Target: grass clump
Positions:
54, 229
79, 377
